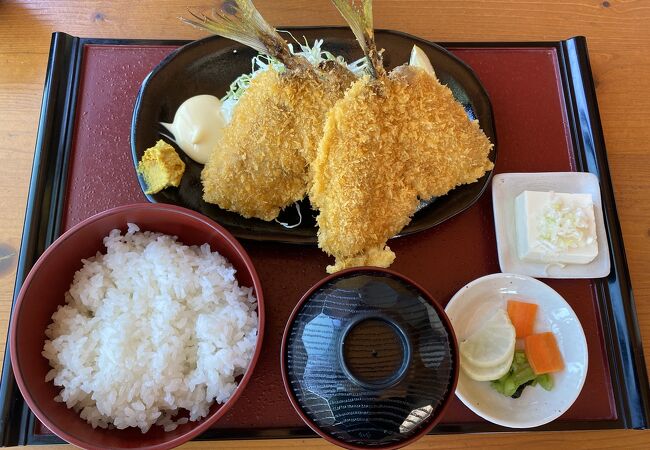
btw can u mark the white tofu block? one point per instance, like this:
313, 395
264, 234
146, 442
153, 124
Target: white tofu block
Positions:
530, 207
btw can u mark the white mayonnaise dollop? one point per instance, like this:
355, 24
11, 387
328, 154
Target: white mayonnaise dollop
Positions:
198, 126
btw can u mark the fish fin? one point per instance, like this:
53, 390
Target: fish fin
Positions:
360, 21
240, 21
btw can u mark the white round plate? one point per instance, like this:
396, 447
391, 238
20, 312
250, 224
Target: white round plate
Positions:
475, 303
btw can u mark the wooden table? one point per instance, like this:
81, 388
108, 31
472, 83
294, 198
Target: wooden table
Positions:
618, 35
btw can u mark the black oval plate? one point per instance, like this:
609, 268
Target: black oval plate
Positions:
209, 65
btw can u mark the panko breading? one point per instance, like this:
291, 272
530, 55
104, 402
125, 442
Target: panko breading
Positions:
390, 142
261, 164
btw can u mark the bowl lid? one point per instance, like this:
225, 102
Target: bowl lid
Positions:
369, 360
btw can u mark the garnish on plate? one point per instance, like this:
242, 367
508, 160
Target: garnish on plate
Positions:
161, 167
197, 126
543, 353
489, 354
522, 315
520, 375
540, 358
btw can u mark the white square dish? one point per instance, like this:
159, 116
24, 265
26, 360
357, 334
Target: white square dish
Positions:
507, 186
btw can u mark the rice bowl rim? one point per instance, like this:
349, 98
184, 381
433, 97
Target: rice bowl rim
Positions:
173, 211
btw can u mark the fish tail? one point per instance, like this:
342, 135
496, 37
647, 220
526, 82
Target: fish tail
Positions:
240, 21
360, 21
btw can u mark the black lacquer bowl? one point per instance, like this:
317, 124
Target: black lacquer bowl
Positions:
209, 65
369, 359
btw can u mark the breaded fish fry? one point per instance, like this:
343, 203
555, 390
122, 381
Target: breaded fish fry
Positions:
262, 163
393, 140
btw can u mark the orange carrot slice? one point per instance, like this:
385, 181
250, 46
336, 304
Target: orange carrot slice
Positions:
543, 353
522, 316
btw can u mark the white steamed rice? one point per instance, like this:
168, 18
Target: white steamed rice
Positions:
149, 328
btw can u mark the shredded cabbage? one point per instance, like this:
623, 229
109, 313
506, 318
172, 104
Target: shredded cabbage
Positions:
519, 376
286, 225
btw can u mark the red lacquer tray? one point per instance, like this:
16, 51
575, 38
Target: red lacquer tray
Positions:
546, 120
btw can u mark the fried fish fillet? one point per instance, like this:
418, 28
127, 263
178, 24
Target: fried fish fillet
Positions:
393, 140
261, 164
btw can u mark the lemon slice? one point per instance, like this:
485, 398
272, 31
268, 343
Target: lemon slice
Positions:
420, 59
492, 345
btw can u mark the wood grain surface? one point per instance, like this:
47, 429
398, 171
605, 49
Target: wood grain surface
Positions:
618, 33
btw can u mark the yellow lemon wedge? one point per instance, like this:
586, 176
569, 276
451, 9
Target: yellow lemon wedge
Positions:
487, 354
420, 59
